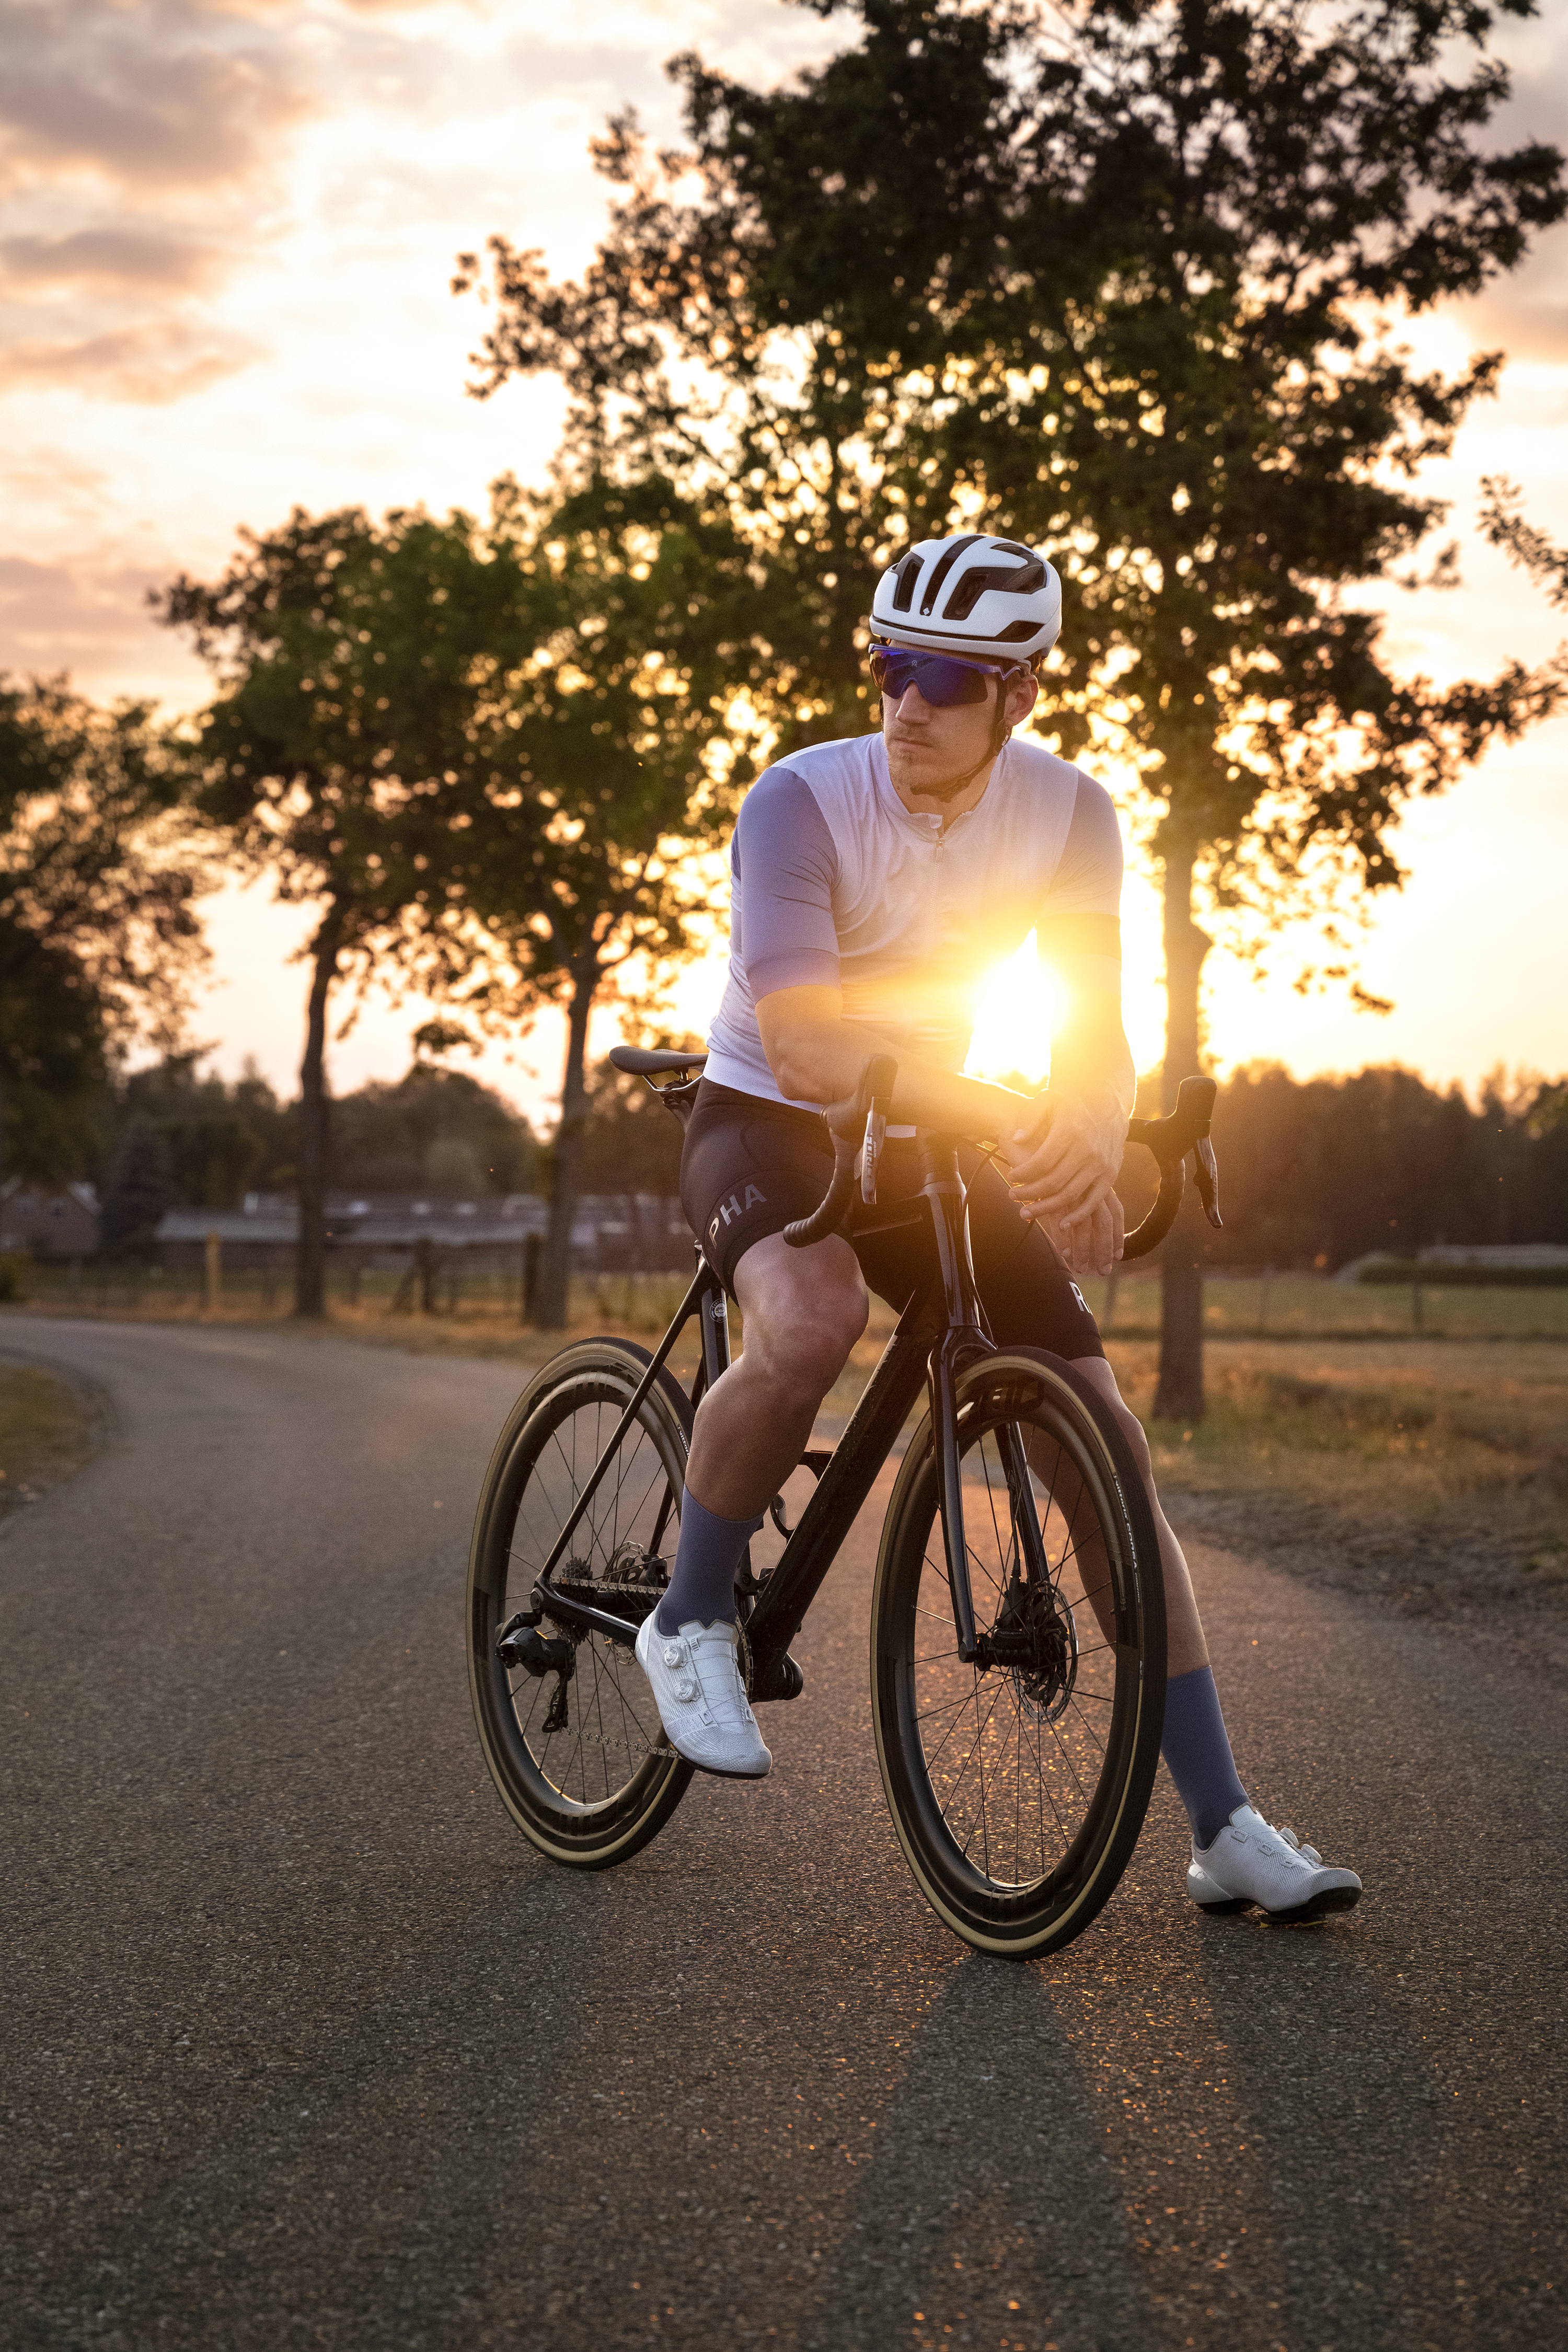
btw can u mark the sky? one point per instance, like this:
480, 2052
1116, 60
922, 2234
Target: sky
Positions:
227, 237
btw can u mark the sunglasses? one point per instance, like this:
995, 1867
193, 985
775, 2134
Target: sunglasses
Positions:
942, 678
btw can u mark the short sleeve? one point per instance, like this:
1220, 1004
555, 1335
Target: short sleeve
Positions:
785, 865
1080, 914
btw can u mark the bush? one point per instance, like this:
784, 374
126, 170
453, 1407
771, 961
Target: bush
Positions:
13, 1277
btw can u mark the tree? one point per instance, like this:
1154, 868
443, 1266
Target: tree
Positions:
138, 1188
207, 1130
99, 934
351, 660
485, 753
621, 707
1128, 284
436, 1131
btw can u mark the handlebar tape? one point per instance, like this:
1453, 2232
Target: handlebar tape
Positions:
858, 1119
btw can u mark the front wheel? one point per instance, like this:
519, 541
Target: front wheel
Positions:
578, 1752
1018, 1789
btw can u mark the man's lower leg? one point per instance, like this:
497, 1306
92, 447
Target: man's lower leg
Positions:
747, 1441
702, 1587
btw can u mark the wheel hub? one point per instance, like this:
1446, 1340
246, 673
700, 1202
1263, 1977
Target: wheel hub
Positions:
1035, 1639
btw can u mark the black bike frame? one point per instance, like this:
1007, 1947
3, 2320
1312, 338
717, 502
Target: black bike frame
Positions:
939, 1334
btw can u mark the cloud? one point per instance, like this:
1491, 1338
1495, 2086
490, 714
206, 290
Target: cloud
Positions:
146, 365
112, 261
172, 97
51, 616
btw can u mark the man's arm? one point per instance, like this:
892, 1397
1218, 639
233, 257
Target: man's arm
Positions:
1065, 1146
817, 1055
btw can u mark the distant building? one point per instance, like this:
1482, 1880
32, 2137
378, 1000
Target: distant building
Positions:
49, 1224
632, 1232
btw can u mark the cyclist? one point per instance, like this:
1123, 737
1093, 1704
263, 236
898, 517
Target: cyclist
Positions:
873, 880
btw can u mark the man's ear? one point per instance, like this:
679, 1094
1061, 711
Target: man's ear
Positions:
1022, 696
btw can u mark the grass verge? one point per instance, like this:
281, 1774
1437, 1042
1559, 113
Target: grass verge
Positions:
1434, 1477
47, 1434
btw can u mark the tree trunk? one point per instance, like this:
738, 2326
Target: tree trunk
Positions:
566, 1155
310, 1260
1179, 1395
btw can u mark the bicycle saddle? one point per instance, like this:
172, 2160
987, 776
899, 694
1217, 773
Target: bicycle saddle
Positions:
636, 1064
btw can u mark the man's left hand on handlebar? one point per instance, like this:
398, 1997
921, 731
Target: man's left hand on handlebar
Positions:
1064, 1158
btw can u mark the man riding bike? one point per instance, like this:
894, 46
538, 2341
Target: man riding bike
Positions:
874, 879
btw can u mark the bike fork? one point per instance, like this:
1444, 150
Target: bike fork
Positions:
965, 1341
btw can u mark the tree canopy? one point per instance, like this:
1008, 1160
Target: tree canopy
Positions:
99, 934
485, 752
1130, 284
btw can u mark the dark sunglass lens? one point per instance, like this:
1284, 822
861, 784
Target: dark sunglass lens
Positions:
941, 681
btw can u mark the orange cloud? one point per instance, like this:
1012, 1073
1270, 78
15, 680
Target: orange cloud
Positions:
147, 365
109, 260
158, 97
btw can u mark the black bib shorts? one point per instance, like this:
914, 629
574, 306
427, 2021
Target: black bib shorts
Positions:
751, 1167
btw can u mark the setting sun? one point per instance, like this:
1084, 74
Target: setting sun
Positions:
1019, 1005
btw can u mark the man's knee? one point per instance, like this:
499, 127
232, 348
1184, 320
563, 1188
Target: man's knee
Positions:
804, 1313
1099, 1373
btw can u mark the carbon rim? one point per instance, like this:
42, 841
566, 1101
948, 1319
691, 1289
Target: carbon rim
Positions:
1018, 1791
582, 1763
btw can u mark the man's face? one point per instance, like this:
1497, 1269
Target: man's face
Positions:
933, 754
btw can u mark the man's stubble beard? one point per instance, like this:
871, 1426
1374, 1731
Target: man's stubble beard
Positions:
941, 788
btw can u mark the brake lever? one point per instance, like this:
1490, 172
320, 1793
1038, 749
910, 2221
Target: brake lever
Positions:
871, 1149
1205, 1176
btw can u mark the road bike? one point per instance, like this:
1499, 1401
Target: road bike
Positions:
1018, 1612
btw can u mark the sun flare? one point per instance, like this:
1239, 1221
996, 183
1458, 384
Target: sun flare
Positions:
1016, 1010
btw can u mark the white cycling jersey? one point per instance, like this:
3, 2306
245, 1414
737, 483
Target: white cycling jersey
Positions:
834, 884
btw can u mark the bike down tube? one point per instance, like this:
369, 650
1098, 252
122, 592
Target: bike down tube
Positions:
850, 1474
702, 1281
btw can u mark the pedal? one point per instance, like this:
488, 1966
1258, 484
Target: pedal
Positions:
782, 1680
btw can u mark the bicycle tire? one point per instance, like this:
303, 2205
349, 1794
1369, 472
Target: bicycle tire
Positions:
589, 1791
1027, 1876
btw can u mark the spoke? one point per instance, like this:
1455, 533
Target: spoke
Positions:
946, 1736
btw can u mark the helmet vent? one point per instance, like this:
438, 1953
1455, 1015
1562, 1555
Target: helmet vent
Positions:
904, 579
944, 563
1023, 580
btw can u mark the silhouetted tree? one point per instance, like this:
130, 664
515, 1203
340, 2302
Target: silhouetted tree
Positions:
99, 934
353, 662
138, 1188
1127, 282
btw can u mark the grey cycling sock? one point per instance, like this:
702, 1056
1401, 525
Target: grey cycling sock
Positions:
1197, 1754
703, 1584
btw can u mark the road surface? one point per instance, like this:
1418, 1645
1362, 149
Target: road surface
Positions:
305, 2046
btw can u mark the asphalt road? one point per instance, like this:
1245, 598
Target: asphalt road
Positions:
304, 2046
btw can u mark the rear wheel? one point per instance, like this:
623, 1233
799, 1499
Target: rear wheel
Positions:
578, 1752
1018, 1788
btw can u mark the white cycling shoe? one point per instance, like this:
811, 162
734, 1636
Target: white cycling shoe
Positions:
1251, 1862
696, 1678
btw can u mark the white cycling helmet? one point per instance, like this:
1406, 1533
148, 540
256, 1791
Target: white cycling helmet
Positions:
992, 599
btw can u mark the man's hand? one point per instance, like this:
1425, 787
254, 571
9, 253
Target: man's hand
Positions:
1064, 1158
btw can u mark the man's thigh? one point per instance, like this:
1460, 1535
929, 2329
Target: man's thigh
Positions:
749, 1168
1030, 1299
